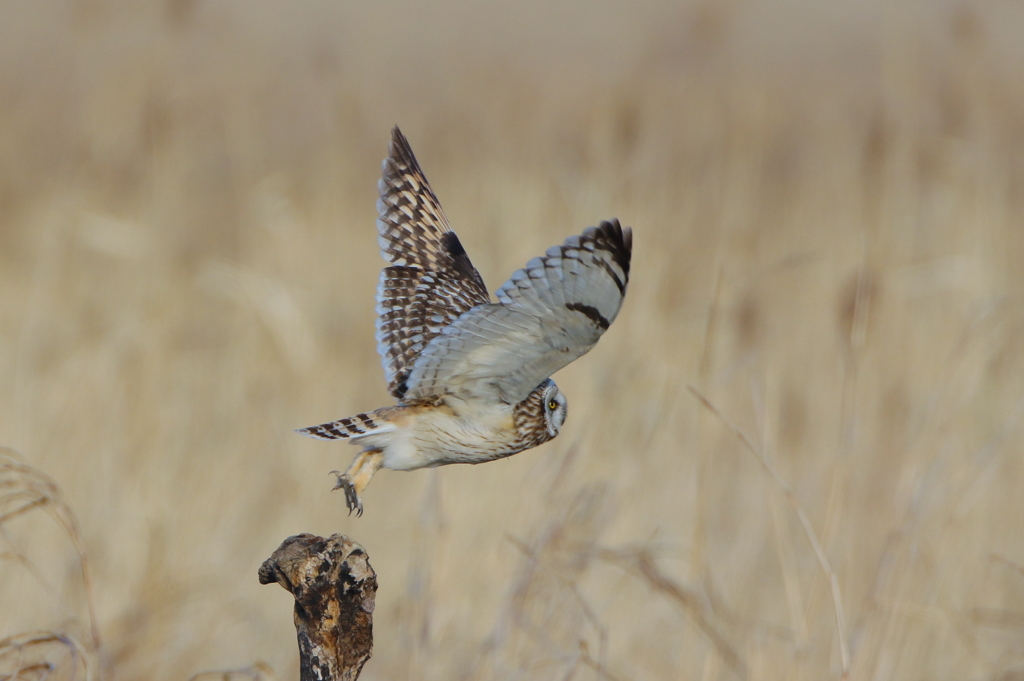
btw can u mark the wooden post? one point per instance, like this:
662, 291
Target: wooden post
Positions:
334, 589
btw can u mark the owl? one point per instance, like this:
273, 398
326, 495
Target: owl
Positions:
471, 377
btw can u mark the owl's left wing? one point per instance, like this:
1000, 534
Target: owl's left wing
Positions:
549, 313
430, 280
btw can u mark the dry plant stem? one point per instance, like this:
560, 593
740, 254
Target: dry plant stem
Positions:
697, 560
34, 489
43, 669
17, 645
783, 543
1006, 561
584, 657
334, 589
837, 599
643, 563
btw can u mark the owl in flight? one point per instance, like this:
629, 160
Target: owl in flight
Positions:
471, 377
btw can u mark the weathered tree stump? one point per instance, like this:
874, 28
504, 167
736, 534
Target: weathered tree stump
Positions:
334, 589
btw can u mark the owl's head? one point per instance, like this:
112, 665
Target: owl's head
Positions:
555, 407
540, 416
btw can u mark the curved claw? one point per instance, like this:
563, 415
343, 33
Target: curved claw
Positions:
352, 499
338, 475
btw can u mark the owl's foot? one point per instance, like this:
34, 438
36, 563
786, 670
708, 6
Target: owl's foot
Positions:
352, 499
357, 477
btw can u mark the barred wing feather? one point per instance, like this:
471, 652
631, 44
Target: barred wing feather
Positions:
430, 281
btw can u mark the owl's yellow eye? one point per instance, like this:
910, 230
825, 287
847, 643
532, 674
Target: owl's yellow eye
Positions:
552, 405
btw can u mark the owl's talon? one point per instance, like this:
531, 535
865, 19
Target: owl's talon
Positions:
352, 499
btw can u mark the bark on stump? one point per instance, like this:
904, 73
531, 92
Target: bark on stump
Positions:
334, 589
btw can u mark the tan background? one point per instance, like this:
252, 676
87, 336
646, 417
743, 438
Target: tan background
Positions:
826, 201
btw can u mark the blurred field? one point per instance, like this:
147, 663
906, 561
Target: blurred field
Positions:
829, 247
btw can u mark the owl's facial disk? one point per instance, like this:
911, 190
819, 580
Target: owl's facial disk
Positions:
556, 409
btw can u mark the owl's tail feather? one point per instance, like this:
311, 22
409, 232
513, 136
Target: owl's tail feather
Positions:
352, 428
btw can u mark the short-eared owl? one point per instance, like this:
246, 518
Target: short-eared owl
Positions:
471, 377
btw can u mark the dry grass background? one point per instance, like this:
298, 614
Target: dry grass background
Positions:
827, 206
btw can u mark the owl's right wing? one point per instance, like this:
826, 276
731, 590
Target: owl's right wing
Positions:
549, 313
430, 281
